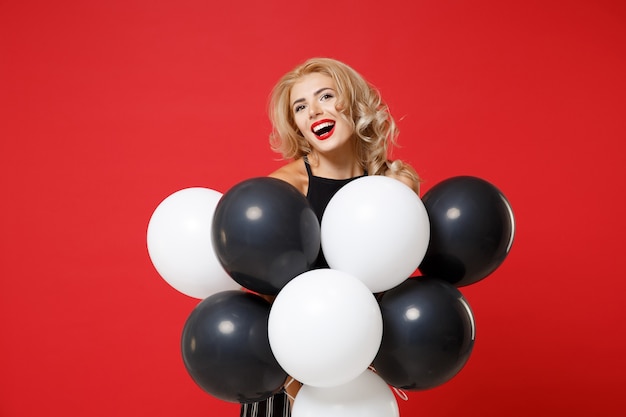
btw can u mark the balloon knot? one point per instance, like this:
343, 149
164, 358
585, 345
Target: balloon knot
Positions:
401, 394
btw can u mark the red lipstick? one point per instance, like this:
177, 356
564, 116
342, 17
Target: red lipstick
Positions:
323, 129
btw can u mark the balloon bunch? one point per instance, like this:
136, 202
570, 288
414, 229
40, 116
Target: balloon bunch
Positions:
349, 331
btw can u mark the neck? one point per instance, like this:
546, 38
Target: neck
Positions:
335, 166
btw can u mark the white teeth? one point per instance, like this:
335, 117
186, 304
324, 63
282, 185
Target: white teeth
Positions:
322, 126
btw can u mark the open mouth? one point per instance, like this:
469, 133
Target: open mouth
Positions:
323, 129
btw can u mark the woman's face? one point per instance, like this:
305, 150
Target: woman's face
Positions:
313, 101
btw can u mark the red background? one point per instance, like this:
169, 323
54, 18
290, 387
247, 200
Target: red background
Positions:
108, 107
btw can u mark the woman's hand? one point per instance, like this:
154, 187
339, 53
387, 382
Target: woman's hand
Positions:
291, 388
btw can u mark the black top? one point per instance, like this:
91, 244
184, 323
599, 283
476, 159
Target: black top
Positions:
320, 191
319, 194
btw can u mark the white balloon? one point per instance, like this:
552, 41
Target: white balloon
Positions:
366, 396
377, 229
325, 327
180, 246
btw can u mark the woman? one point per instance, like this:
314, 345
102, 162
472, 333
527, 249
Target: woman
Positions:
334, 127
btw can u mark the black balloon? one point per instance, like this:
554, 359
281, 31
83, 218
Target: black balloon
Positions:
471, 230
265, 233
428, 334
226, 350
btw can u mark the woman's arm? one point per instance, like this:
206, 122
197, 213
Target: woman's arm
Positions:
291, 388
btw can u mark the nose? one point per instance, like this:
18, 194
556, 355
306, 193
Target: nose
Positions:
314, 110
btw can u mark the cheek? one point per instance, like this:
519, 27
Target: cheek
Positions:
343, 115
340, 105
346, 125
300, 124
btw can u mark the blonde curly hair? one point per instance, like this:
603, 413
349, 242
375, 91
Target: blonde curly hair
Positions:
359, 103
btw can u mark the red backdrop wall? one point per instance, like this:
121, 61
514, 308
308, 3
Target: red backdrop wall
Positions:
108, 107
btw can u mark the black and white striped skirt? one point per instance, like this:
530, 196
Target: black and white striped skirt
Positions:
276, 406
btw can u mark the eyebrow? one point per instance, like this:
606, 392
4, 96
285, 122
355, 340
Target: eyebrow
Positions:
300, 100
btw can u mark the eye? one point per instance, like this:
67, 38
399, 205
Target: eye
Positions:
298, 108
326, 96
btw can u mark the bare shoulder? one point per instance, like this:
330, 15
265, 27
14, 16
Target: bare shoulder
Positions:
405, 179
294, 173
